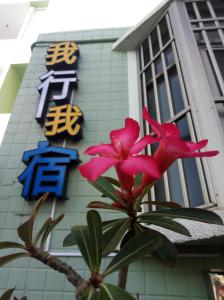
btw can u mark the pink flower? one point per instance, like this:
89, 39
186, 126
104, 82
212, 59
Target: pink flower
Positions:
122, 153
171, 146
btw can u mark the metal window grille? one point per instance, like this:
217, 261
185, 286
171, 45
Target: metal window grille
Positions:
164, 94
207, 22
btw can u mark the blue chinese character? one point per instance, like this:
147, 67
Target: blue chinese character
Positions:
46, 170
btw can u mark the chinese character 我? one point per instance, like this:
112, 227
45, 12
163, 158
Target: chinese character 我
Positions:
61, 55
64, 119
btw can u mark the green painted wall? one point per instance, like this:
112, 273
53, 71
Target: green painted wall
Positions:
10, 87
103, 97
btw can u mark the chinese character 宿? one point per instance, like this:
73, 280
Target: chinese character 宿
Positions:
46, 170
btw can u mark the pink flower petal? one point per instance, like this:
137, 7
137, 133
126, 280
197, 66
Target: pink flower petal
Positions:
202, 154
96, 167
103, 150
196, 146
142, 143
170, 129
123, 139
156, 127
126, 181
141, 164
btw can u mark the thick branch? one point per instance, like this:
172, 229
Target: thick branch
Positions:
60, 266
122, 277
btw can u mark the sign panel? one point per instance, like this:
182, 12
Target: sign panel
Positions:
46, 170
47, 165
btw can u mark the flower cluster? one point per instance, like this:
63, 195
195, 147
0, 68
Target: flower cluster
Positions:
124, 153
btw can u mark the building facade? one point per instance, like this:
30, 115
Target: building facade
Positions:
171, 62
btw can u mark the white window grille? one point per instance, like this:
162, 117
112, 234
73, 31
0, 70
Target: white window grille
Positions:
164, 93
207, 22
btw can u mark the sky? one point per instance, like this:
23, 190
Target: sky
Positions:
90, 14
68, 15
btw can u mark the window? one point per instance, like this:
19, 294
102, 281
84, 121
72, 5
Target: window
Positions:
208, 28
217, 282
164, 94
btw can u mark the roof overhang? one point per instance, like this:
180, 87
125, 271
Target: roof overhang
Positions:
133, 38
205, 237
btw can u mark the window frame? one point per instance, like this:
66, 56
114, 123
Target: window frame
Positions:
183, 113
185, 50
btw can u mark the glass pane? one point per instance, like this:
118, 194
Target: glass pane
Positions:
219, 55
164, 31
163, 102
210, 71
195, 25
220, 110
158, 66
203, 10
160, 191
151, 101
214, 37
146, 54
177, 99
193, 183
190, 10
199, 38
218, 6
175, 184
169, 57
148, 75
155, 42
208, 24
195, 195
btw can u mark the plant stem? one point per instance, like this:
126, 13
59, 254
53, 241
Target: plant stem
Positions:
55, 263
122, 277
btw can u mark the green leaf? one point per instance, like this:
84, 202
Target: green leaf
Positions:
50, 228
69, 240
165, 223
104, 186
25, 231
81, 236
8, 258
163, 204
112, 292
7, 245
108, 224
138, 202
113, 236
112, 181
24, 298
138, 179
103, 205
166, 252
41, 231
95, 238
137, 247
128, 235
7, 294
90, 294
195, 214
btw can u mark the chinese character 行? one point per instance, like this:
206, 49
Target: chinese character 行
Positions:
55, 86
